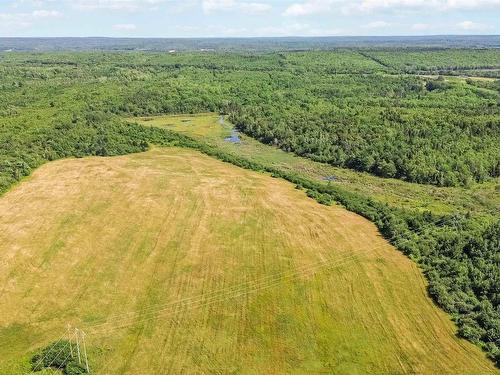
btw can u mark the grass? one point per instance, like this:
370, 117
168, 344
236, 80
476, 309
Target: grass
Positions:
174, 262
480, 199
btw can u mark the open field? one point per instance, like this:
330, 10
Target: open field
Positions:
480, 198
173, 262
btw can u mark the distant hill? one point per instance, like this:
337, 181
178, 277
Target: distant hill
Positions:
253, 44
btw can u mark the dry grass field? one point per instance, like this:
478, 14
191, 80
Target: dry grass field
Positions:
176, 263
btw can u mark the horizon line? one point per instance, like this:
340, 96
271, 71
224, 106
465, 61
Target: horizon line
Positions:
251, 37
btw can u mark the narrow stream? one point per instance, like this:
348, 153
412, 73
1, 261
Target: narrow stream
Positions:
234, 137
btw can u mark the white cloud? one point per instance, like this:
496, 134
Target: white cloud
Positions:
125, 27
370, 5
255, 8
420, 26
471, 26
24, 20
377, 25
217, 5
181, 7
309, 7
425, 5
42, 13
213, 6
390, 6
471, 4
118, 5
35, 3
15, 20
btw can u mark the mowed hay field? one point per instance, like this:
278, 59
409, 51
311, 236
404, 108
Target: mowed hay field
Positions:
175, 263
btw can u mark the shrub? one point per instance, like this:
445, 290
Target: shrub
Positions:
57, 356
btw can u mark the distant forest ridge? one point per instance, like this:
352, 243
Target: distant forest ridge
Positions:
253, 44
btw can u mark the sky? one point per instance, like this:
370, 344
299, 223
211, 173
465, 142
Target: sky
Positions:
247, 18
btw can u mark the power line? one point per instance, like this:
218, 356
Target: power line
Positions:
40, 361
437, 223
214, 296
219, 295
236, 293
46, 355
197, 299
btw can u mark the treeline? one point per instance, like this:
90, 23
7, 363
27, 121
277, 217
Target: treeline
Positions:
90, 136
426, 60
444, 147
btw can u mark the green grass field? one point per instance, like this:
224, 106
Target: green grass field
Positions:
478, 198
173, 262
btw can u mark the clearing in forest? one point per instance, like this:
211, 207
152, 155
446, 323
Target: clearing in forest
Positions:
174, 262
207, 127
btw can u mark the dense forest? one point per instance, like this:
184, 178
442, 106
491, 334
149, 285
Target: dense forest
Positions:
367, 110
244, 44
344, 109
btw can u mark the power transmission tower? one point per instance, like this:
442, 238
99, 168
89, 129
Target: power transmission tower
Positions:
70, 343
85, 351
77, 336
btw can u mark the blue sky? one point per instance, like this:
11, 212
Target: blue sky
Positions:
233, 18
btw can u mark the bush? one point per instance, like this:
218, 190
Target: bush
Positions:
57, 356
